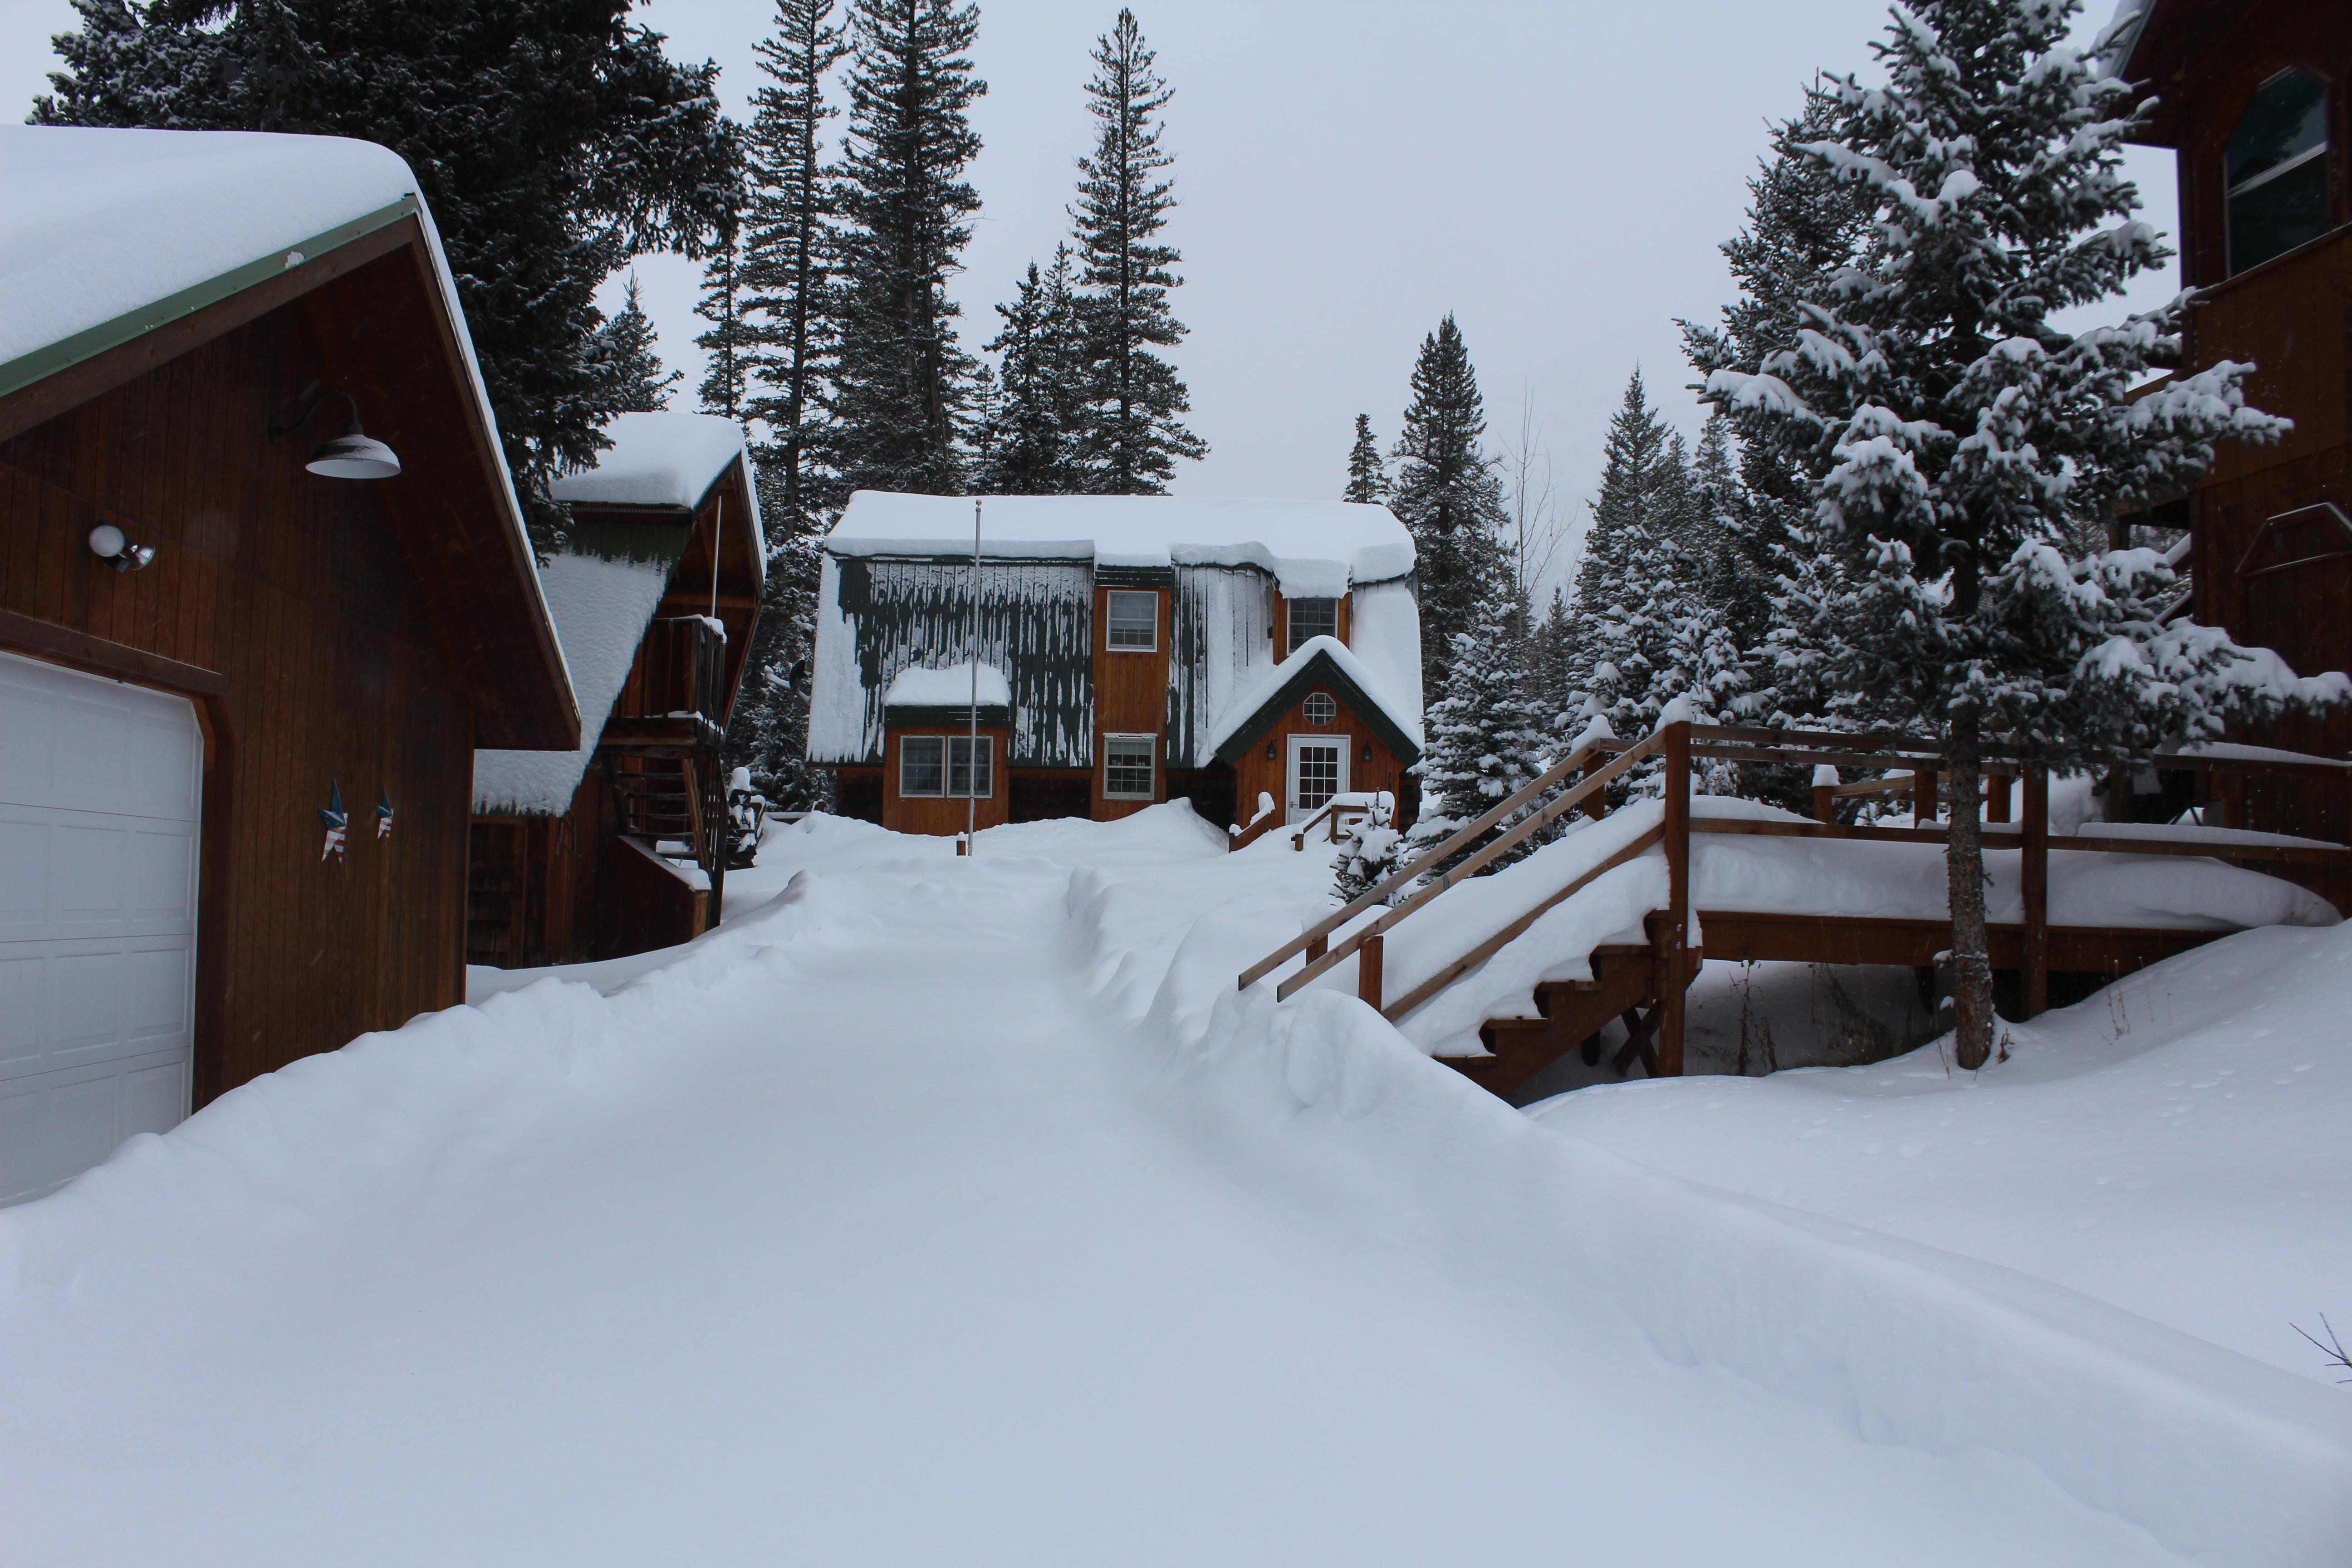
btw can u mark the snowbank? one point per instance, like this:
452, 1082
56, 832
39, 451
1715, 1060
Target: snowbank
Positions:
601, 610
1313, 549
2218, 1455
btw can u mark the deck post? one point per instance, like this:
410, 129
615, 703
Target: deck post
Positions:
1368, 973
2034, 890
1673, 963
1923, 798
1996, 788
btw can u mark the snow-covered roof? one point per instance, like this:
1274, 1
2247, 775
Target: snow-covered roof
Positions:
1315, 549
2121, 32
666, 459
601, 610
949, 688
1272, 695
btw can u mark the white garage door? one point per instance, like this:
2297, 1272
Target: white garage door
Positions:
99, 785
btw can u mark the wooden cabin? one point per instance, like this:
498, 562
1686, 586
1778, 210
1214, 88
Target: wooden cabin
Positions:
1131, 650
620, 846
259, 561
2255, 96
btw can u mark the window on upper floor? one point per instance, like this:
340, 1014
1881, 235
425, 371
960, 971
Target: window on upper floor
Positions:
1312, 618
2276, 170
1132, 621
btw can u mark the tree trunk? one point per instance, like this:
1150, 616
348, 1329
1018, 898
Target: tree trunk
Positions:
1964, 865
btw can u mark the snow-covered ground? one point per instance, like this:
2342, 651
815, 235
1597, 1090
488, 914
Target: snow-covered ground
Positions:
961, 1211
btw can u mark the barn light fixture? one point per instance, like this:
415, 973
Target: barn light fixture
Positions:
1368, 756
111, 545
1269, 750
354, 455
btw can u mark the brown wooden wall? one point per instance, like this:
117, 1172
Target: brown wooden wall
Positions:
531, 883
1131, 698
1253, 772
945, 814
1282, 624
298, 613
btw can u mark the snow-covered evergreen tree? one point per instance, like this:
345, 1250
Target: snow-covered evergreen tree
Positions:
900, 380
553, 138
1640, 504
1134, 432
1039, 432
788, 251
625, 351
1447, 494
1369, 854
1486, 738
726, 342
1962, 451
1368, 476
1554, 639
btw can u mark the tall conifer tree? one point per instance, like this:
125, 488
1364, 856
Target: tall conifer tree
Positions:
1368, 476
900, 382
1448, 495
1134, 433
1041, 415
726, 342
627, 350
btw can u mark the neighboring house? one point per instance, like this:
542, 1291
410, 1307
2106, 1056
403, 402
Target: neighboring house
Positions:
223, 613
2257, 97
619, 847
1132, 649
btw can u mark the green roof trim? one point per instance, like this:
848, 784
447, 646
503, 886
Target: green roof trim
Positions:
1322, 671
89, 343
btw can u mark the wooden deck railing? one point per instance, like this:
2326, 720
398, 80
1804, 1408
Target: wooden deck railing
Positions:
1919, 761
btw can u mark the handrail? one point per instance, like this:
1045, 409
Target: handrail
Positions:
1379, 892
1559, 805
1299, 834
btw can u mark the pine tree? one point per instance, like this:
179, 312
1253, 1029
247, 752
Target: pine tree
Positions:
1371, 852
1958, 449
1554, 645
627, 352
1133, 434
1041, 415
552, 138
1368, 476
1449, 498
1486, 738
788, 250
725, 342
900, 382
1639, 501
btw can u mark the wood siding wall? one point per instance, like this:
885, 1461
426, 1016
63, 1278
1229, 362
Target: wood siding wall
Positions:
945, 814
1131, 691
300, 605
1254, 773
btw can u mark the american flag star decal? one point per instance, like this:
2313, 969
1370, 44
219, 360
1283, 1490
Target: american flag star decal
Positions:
337, 820
383, 814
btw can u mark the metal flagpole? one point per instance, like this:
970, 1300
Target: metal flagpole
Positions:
972, 757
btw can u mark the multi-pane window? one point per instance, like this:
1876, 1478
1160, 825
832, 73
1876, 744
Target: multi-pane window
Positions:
1133, 621
942, 765
1319, 709
1128, 763
1319, 775
2276, 170
922, 764
1312, 618
963, 776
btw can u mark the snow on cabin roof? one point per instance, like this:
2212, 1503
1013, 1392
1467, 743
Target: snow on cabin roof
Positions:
666, 459
601, 609
2121, 35
1269, 692
949, 688
1317, 549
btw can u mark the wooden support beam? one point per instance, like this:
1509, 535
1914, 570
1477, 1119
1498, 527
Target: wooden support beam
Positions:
2033, 879
1674, 967
1639, 1027
1367, 971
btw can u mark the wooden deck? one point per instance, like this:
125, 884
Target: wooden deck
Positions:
1642, 984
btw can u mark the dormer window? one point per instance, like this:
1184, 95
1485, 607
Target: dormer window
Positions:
1312, 618
2275, 171
1133, 622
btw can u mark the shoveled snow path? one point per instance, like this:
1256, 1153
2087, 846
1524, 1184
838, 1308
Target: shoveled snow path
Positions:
871, 1252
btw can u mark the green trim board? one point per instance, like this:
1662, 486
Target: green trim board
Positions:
996, 715
1322, 671
90, 343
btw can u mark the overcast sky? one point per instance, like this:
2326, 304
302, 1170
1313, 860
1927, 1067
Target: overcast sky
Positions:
1557, 173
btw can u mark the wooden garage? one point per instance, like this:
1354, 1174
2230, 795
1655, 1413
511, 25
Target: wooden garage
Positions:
264, 587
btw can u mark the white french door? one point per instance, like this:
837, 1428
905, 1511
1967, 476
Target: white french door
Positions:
1317, 771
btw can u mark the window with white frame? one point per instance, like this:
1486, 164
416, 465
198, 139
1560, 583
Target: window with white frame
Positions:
1319, 709
943, 766
969, 771
1128, 764
922, 764
1132, 621
1312, 618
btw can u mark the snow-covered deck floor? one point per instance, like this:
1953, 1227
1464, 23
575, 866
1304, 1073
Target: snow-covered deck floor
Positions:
948, 1212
